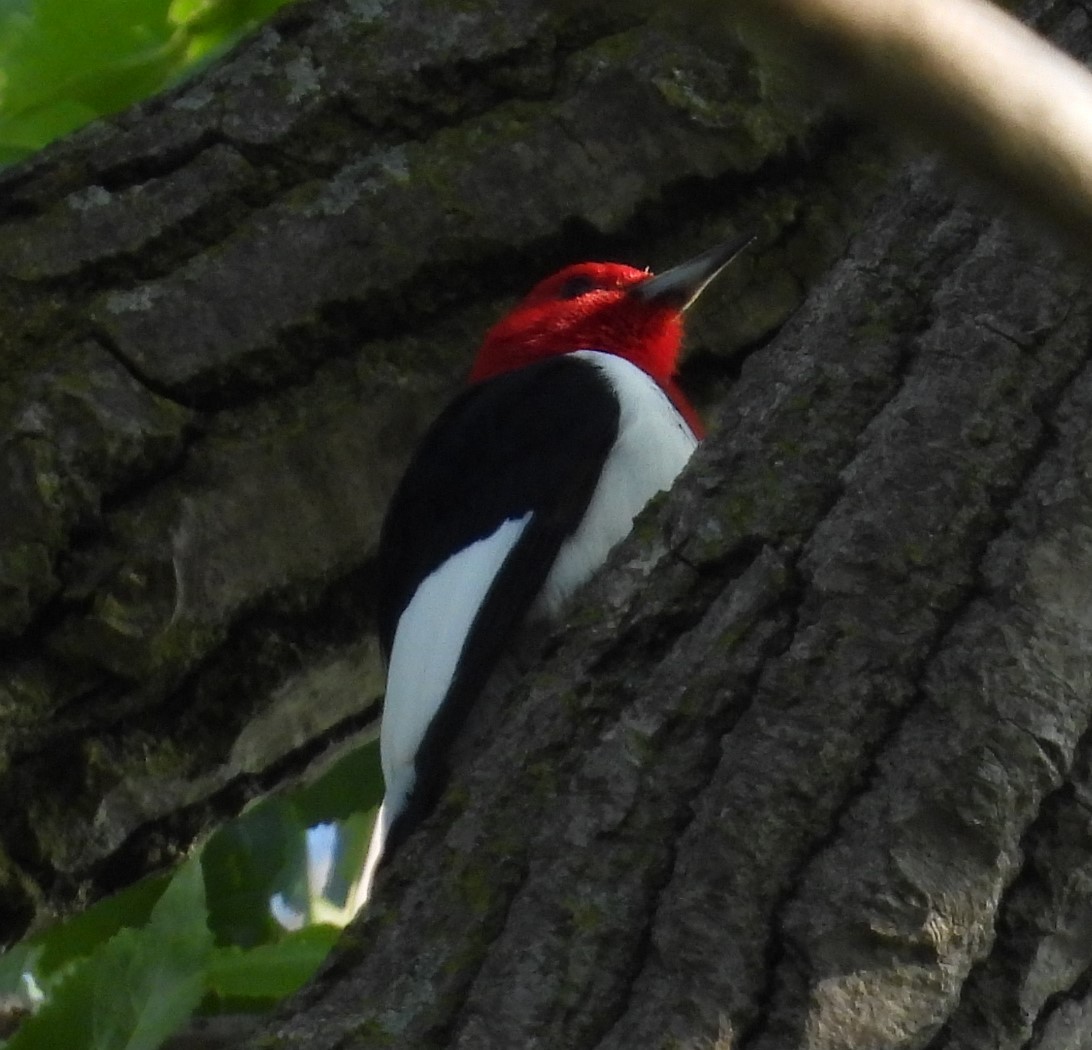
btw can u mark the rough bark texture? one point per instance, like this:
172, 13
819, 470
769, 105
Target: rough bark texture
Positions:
809, 765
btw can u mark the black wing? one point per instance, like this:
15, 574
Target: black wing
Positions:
532, 440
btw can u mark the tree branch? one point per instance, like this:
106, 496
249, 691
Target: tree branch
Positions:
964, 75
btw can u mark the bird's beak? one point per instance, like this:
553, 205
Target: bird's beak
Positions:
682, 284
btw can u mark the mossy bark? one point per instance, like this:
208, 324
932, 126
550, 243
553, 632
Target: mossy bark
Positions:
809, 764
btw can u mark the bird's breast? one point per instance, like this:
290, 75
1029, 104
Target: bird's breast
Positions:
653, 445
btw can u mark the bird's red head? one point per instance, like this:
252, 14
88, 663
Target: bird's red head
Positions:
585, 307
603, 306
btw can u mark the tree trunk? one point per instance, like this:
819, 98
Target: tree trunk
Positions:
808, 765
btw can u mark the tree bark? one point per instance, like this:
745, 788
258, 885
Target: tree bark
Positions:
807, 765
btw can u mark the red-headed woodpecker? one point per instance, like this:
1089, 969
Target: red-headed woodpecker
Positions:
572, 422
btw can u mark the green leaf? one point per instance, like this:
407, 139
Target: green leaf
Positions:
13, 154
264, 851
83, 933
354, 783
66, 47
257, 977
34, 129
138, 987
18, 960
221, 16
245, 863
64, 63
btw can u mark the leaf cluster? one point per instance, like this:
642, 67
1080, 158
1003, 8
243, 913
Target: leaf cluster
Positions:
63, 64
239, 925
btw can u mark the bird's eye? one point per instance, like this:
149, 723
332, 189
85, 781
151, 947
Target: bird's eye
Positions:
576, 286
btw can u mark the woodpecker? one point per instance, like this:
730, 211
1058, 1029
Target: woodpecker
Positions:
572, 421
